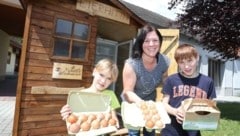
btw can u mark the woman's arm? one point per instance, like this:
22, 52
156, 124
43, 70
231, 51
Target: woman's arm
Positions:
129, 81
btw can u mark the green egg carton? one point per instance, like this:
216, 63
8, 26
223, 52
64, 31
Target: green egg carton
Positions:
88, 102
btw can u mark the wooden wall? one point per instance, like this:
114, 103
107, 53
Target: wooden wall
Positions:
38, 114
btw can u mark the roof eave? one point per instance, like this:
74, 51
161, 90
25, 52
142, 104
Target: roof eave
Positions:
128, 11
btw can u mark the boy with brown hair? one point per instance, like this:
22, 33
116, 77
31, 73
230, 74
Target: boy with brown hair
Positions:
187, 83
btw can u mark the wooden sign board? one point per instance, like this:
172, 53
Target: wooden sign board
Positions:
100, 9
67, 71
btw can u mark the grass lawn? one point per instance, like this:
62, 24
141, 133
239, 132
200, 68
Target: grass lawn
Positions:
229, 124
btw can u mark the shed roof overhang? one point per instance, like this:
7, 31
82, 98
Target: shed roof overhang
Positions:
12, 17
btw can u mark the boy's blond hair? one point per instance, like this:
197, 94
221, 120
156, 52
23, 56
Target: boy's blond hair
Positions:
108, 65
185, 51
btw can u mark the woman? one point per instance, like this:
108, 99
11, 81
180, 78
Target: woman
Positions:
144, 70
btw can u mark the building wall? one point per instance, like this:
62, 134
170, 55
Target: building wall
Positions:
5, 41
11, 65
38, 114
230, 70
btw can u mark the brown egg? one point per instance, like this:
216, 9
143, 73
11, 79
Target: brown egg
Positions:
74, 128
145, 111
104, 123
159, 124
108, 116
85, 126
151, 105
149, 124
112, 122
156, 117
154, 111
83, 117
72, 118
100, 116
147, 117
95, 124
91, 117
140, 104
143, 106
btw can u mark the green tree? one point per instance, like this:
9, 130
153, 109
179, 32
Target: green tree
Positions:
216, 23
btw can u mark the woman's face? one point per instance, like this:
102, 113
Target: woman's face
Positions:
188, 67
102, 79
151, 44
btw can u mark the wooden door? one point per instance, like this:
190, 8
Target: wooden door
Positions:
169, 45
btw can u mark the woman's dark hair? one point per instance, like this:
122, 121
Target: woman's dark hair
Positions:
137, 49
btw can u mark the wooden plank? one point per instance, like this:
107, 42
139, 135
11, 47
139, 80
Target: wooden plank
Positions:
41, 16
57, 83
52, 90
40, 63
38, 49
41, 9
21, 70
40, 117
43, 131
39, 36
42, 43
40, 76
39, 56
38, 70
33, 125
34, 104
44, 97
40, 30
120, 132
41, 110
42, 23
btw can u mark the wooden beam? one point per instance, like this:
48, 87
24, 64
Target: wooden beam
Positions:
21, 70
52, 90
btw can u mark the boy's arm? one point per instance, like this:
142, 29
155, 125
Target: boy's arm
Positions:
170, 110
177, 112
114, 116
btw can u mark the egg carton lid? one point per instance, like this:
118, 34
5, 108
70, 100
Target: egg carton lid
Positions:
88, 101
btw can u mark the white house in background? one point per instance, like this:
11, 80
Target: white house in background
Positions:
13, 56
226, 74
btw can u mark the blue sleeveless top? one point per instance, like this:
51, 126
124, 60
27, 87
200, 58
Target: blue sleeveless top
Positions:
148, 81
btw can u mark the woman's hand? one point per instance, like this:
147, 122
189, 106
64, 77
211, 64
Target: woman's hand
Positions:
65, 111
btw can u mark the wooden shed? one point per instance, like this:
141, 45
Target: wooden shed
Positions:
62, 41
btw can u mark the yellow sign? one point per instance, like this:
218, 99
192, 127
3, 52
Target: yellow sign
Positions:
67, 71
100, 9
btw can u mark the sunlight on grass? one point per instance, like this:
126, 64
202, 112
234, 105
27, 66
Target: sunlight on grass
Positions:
229, 124
225, 128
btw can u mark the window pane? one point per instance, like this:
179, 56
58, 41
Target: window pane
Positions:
64, 28
81, 31
61, 47
79, 50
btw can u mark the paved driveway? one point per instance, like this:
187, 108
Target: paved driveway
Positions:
7, 106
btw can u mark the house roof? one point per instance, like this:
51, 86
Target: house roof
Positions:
14, 24
148, 16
